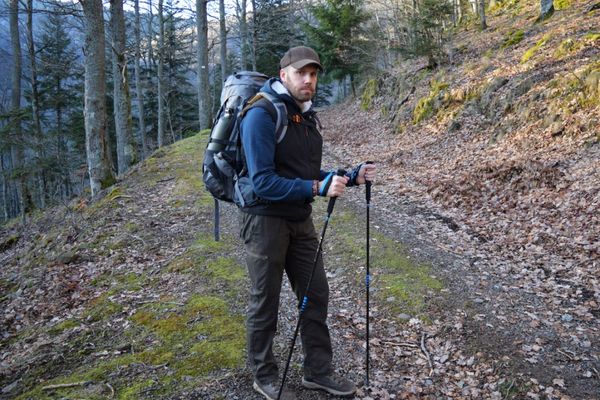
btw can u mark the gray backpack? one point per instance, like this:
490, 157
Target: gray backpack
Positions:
223, 162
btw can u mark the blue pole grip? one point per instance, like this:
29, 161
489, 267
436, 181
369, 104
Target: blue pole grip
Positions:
304, 303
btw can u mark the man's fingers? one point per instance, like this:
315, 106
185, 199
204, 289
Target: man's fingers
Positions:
338, 185
369, 172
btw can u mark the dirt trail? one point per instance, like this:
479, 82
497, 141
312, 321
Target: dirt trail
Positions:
91, 290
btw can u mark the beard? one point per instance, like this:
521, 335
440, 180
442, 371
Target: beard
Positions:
301, 95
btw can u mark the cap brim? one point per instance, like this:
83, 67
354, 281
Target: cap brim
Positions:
303, 63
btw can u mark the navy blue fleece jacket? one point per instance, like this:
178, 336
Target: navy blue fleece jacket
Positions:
259, 143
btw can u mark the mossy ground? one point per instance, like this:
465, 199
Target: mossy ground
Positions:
121, 347
399, 282
112, 346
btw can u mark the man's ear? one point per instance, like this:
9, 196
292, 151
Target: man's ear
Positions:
282, 74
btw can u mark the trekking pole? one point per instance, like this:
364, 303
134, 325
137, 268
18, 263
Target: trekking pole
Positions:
216, 230
368, 275
304, 302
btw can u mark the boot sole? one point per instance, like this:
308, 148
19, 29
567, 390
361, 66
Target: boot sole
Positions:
259, 390
314, 385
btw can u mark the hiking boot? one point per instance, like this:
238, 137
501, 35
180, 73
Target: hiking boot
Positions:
271, 390
335, 385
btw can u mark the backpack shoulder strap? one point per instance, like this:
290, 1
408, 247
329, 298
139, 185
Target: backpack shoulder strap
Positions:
275, 107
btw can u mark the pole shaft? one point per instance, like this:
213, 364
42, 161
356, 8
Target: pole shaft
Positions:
368, 277
304, 301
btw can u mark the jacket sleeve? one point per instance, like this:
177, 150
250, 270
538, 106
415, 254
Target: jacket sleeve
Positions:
258, 141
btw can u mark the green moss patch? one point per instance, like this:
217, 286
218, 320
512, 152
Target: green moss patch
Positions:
562, 4
532, 51
202, 337
572, 46
368, 94
102, 308
63, 326
513, 38
400, 283
426, 106
188, 342
576, 90
403, 284
227, 270
442, 101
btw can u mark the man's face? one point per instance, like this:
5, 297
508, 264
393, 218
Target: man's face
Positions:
301, 83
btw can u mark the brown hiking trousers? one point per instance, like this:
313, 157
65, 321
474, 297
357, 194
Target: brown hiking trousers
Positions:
274, 245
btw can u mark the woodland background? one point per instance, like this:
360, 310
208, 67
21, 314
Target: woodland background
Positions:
90, 89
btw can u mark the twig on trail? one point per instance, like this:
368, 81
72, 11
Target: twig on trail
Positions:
166, 179
138, 238
226, 376
65, 385
597, 373
112, 391
570, 357
121, 196
407, 97
424, 350
508, 390
401, 344
164, 302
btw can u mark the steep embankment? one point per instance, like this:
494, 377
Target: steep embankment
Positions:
503, 147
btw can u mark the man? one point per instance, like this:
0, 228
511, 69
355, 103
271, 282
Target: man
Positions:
283, 178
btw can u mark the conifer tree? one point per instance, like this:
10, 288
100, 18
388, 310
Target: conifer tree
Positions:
273, 34
60, 82
339, 37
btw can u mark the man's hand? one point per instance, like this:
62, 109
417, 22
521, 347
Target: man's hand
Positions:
368, 172
337, 187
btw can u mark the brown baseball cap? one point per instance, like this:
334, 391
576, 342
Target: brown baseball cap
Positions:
299, 57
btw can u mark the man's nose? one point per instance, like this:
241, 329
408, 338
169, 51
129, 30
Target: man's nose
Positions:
308, 78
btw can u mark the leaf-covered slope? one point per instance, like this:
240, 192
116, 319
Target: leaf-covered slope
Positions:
503, 146
505, 139
99, 298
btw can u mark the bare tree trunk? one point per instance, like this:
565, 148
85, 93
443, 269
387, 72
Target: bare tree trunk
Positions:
254, 35
223, 39
546, 9
5, 189
150, 41
454, 13
203, 92
138, 80
150, 38
482, 15
62, 154
126, 149
35, 99
160, 89
244, 34
98, 154
18, 142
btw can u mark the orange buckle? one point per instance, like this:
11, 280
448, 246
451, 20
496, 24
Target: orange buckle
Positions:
296, 118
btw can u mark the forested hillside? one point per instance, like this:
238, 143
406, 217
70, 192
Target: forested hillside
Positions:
485, 229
